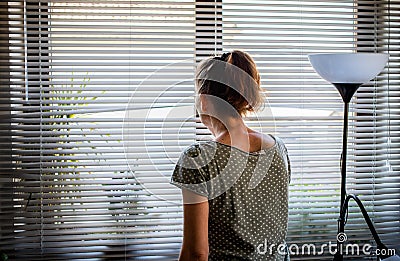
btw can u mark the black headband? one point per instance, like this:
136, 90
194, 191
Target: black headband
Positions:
223, 57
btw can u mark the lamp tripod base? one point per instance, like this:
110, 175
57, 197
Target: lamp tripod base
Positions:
379, 245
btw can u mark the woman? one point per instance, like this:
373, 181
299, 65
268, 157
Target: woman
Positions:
235, 187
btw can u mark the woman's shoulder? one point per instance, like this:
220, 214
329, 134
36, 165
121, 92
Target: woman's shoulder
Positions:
280, 143
198, 148
270, 141
192, 151
199, 153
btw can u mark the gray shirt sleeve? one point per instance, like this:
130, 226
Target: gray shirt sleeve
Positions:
190, 172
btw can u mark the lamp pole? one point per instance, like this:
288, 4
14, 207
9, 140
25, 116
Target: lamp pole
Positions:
347, 91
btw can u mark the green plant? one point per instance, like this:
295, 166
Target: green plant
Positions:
3, 256
65, 96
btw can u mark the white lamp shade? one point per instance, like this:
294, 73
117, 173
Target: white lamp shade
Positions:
348, 67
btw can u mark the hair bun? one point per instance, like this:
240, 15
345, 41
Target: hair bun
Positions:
237, 88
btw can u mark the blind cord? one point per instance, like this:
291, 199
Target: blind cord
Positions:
215, 28
26, 54
41, 130
127, 173
374, 100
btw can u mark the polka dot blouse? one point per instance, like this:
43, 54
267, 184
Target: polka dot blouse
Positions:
247, 195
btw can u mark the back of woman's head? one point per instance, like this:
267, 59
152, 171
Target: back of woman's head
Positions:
233, 78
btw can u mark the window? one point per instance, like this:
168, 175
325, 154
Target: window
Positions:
97, 104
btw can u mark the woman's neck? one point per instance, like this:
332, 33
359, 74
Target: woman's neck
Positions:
231, 127
235, 133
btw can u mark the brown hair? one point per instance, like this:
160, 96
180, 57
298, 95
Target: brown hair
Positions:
243, 93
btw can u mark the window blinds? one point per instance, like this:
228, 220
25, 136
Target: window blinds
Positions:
70, 188
97, 103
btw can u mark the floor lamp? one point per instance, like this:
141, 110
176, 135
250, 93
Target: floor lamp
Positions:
347, 72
